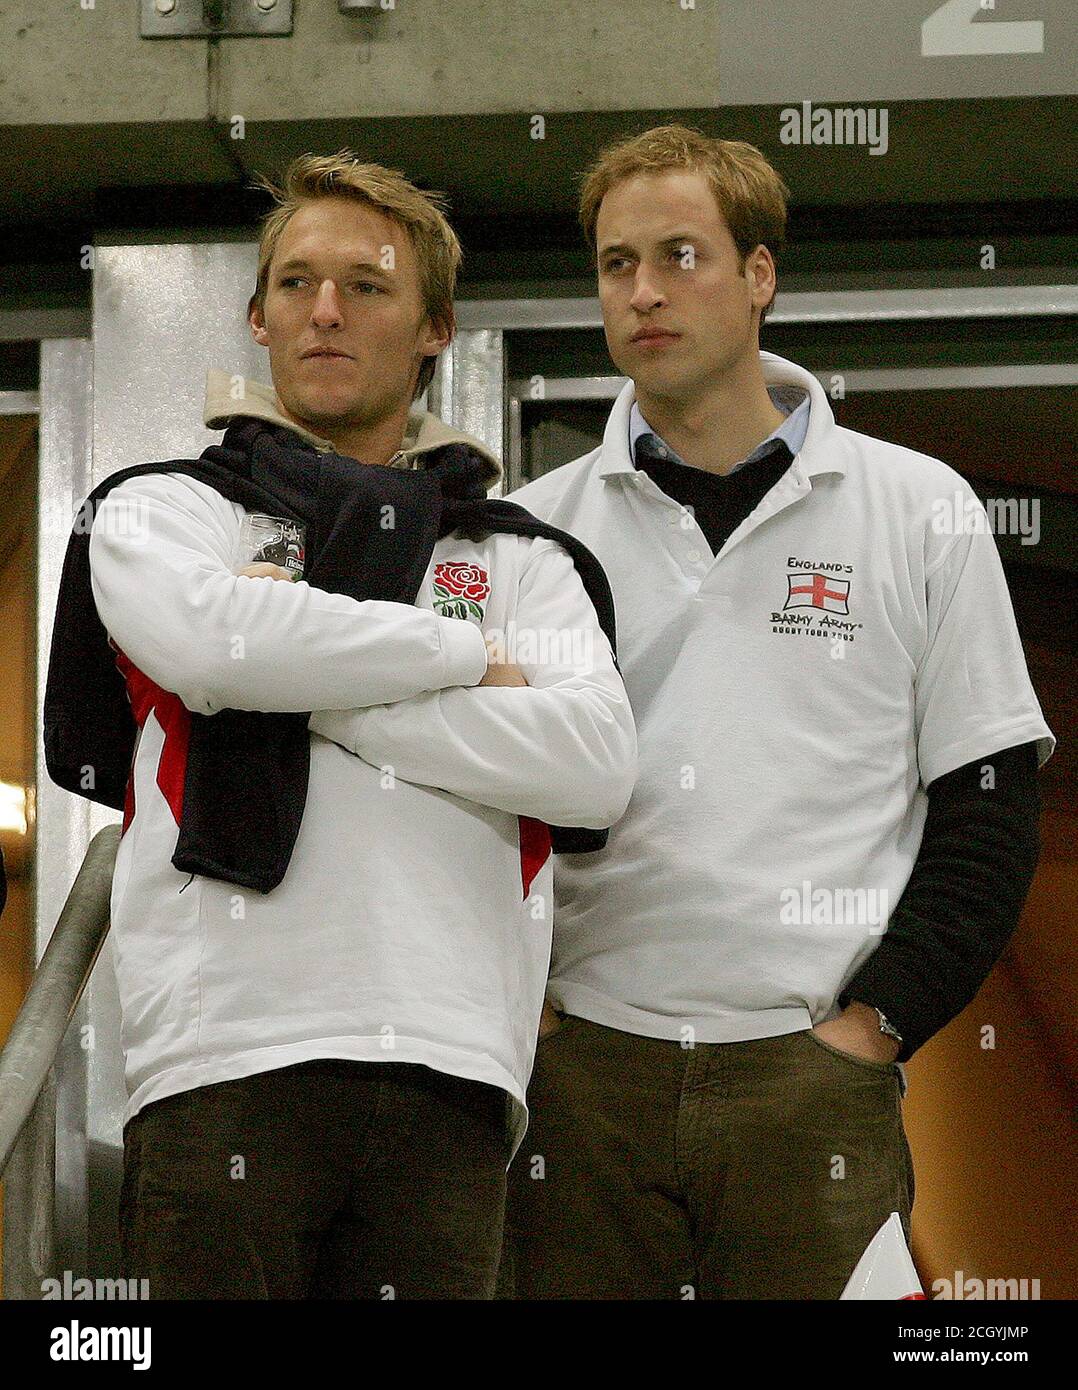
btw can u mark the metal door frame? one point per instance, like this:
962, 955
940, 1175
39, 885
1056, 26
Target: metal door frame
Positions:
498, 316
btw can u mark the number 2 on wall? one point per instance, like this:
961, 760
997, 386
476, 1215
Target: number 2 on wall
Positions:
949, 32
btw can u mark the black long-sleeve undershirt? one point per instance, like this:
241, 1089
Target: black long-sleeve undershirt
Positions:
963, 899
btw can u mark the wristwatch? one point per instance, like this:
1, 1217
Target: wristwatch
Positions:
887, 1027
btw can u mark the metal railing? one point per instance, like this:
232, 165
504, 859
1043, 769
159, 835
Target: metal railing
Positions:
27, 1090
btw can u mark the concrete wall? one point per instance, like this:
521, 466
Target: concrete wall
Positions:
425, 57
68, 64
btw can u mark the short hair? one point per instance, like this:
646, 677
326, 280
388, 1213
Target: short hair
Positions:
344, 175
750, 194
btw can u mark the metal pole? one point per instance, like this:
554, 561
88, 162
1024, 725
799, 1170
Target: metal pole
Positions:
29, 1235
55, 989
27, 1082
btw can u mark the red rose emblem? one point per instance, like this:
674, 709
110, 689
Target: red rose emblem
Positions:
462, 580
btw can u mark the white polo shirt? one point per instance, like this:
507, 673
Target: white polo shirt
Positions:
793, 696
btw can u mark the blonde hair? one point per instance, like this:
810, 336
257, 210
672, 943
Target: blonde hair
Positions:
751, 196
344, 175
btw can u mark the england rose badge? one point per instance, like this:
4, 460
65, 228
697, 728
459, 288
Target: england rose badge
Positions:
460, 590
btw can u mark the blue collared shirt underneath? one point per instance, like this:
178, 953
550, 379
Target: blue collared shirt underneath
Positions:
794, 400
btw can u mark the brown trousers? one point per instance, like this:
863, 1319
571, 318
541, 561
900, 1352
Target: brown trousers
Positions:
747, 1170
327, 1179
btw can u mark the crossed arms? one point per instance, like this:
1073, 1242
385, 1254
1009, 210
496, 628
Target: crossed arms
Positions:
394, 684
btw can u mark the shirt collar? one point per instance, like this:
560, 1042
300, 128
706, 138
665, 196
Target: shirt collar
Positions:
823, 449
792, 400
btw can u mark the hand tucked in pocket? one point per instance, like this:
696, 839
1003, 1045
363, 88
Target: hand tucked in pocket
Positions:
857, 1030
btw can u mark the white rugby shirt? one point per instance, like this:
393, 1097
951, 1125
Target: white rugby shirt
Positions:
793, 696
414, 921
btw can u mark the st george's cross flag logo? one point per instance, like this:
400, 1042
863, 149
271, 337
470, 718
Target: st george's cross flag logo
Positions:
807, 589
